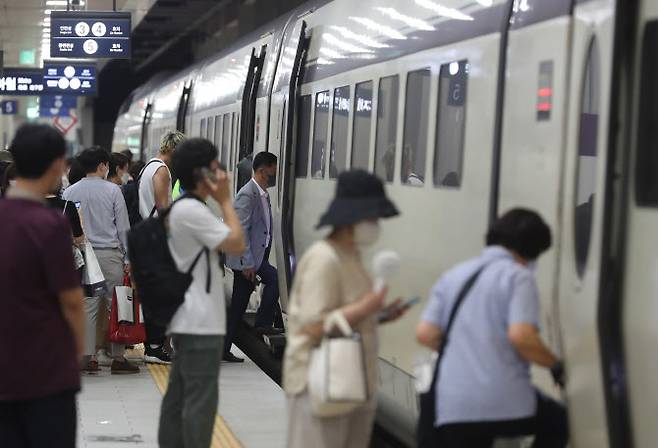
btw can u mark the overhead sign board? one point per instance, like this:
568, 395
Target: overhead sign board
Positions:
9, 107
69, 78
87, 34
56, 105
21, 81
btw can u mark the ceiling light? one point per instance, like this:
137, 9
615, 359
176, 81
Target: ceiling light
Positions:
413, 22
444, 11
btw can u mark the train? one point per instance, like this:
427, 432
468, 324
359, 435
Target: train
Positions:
465, 108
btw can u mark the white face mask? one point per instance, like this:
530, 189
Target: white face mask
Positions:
107, 173
125, 178
366, 233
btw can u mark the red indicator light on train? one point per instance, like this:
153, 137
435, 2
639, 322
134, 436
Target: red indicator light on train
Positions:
544, 107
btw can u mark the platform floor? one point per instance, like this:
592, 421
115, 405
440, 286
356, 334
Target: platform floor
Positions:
117, 411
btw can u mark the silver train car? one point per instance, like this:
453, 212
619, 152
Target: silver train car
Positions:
465, 108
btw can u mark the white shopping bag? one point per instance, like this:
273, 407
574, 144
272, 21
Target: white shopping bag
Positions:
125, 306
93, 279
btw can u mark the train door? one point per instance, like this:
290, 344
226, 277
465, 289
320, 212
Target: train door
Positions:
638, 303
283, 123
146, 123
183, 105
552, 157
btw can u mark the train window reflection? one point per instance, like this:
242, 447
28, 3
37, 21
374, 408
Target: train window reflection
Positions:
226, 138
587, 157
341, 112
202, 127
236, 139
450, 124
211, 128
361, 126
218, 123
320, 129
387, 128
303, 135
416, 110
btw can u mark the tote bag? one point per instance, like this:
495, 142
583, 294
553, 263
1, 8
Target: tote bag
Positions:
93, 279
126, 320
337, 379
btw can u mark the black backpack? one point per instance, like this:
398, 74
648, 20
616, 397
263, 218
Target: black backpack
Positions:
131, 196
160, 285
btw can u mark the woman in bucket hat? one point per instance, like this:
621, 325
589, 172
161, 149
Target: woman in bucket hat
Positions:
331, 276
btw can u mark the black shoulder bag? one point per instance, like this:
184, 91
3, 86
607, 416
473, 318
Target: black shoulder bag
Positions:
426, 431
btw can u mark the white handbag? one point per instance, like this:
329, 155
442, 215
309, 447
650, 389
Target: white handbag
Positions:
337, 377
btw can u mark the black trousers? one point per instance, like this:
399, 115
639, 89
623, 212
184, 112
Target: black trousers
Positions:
155, 334
269, 311
48, 422
549, 426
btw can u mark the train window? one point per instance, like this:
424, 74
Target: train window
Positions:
202, 127
218, 123
234, 141
646, 180
450, 124
211, 128
361, 126
387, 126
587, 157
320, 129
226, 138
303, 135
416, 109
338, 156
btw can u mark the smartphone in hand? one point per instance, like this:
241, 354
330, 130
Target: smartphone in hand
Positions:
402, 306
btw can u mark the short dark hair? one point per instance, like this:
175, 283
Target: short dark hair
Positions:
190, 155
135, 169
263, 159
117, 160
90, 158
34, 149
129, 154
522, 231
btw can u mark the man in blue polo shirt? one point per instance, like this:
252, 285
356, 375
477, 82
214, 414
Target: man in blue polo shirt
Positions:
41, 305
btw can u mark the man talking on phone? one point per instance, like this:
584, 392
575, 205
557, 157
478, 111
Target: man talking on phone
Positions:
254, 209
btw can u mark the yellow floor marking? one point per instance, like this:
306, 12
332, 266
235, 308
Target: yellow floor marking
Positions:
222, 435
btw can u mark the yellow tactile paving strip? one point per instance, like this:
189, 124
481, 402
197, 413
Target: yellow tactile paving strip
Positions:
222, 435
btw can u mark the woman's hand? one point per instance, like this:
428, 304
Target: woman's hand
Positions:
393, 311
372, 302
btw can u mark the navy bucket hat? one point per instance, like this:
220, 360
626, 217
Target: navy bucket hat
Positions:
359, 196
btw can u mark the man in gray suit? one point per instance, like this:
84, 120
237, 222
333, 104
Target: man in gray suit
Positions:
254, 209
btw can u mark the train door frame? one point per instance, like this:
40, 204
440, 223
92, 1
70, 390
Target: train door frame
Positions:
146, 123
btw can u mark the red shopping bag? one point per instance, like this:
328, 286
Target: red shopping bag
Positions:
126, 321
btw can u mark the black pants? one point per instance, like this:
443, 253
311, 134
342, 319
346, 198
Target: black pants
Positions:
48, 422
155, 334
549, 426
268, 312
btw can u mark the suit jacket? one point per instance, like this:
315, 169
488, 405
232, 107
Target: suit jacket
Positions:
249, 208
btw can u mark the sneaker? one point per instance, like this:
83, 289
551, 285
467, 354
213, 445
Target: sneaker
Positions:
123, 367
103, 358
156, 355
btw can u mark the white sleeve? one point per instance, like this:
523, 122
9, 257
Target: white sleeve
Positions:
203, 225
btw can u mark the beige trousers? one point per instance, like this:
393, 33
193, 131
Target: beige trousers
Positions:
352, 430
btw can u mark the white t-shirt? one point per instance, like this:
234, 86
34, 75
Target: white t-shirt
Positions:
146, 190
193, 226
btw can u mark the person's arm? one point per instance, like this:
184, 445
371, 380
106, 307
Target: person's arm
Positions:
72, 304
370, 303
161, 192
527, 342
428, 335
234, 243
122, 221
